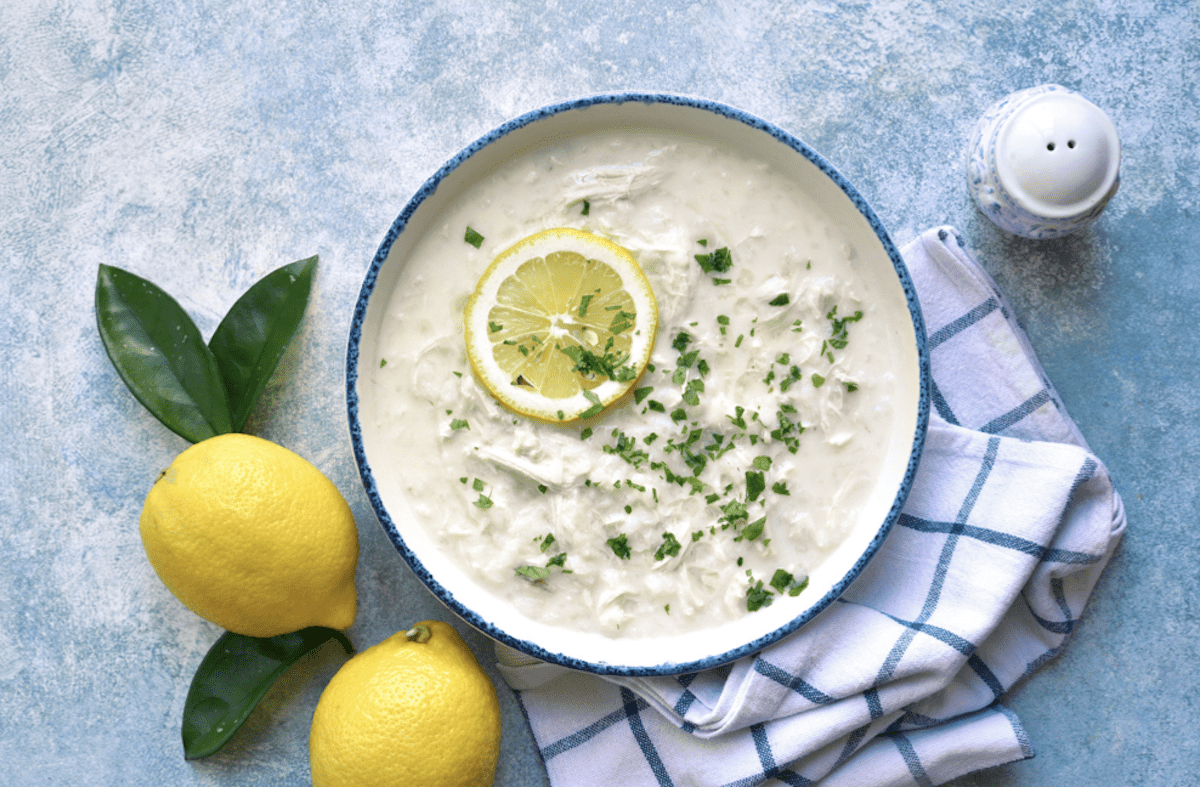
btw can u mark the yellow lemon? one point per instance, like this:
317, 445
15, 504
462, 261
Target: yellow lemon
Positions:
416, 710
252, 537
561, 325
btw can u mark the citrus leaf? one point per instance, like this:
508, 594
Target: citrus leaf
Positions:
233, 677
160, 354
252, 337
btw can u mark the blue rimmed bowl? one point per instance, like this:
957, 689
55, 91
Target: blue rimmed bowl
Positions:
874, 253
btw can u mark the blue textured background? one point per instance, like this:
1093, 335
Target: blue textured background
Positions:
201, 144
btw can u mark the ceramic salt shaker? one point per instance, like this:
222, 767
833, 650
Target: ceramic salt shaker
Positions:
1043, 162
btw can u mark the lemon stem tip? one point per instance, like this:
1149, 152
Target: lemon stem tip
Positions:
418, 633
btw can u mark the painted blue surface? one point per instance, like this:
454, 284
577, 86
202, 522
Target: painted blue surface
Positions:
201, 144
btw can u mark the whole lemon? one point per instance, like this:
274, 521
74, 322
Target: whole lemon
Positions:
416, 710
252, 537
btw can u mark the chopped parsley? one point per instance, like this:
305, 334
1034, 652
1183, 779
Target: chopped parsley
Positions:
755, 484
794, 375
758, 597
533, 573
753, 530
840, 335
781, 299
780, 488
382, 362
596, 408
720, 261
669, 548
626, 448
587, 208
817, 380
583, 304
622, 321
484, 502
474, 238
788, 432
735, 512
459, 423
691, 394
590, 364
619, 546
784, 582
641, 393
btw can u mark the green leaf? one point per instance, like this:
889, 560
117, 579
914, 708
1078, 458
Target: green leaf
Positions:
160, 354
249, 342
234, 676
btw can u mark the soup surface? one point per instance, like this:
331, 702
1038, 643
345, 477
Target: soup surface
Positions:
738, 461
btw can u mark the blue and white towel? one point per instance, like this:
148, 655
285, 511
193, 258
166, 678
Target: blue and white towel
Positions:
1009, 524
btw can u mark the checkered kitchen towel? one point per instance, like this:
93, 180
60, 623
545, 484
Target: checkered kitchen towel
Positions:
1008, 526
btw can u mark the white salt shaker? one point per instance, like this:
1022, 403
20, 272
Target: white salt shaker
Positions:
1043, 162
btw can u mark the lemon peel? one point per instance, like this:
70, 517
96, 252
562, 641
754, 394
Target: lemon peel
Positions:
252, 537
561, 325
415, 710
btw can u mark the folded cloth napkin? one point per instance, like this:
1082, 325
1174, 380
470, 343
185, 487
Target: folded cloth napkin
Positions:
1008, 526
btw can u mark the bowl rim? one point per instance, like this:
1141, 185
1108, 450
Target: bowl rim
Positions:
443, 594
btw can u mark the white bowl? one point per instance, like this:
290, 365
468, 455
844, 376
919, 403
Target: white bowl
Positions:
876, 255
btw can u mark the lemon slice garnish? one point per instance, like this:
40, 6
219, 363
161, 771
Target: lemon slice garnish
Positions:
561, 325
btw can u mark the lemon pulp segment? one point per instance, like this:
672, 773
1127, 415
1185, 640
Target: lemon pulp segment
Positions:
561, 325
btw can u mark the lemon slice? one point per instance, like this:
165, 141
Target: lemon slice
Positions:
560, 325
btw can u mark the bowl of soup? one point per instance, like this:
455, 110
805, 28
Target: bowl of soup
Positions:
755, 465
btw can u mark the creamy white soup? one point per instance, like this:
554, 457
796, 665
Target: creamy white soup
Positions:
737, 462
